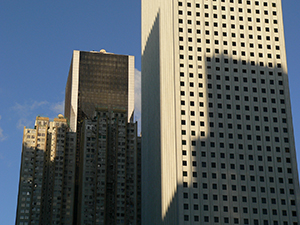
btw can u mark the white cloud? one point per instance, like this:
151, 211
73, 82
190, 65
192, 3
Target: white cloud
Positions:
58, 107
27, 108
137, 97
24, 122
2, 136
28, 111
36, 104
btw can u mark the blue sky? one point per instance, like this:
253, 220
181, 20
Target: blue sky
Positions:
36, 43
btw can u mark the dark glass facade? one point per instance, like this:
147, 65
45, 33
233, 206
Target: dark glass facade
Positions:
96, 80
103, 82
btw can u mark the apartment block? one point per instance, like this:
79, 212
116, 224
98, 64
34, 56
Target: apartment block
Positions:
108, 184
47, 176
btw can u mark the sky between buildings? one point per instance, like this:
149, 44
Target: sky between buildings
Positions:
36, 43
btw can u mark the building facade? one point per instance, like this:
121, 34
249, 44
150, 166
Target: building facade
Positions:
109, 184
85, 168
218, 143
101, 80
46, 188
98, 79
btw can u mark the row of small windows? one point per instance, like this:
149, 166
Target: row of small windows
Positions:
234, 52
231, 145
251, 45
236, 88
237, 220
231, 1
241, 157
259, 37
235, 209
243, 189
242, 167
241, 18
236, 79
237, 107
257, 11
227, 69
245, 210
235, 70
227, 78
222, 145
216, 33
233, 167
230, 135
239, 136
238, 117
244, 199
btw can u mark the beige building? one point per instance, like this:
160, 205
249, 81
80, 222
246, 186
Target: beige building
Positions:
218, 143
47, 175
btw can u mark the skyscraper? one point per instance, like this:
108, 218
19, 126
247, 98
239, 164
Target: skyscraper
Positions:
99, 105
98, 79
85, 168
218, 144
109, 182
47, 174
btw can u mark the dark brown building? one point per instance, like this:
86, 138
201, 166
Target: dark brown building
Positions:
103, 80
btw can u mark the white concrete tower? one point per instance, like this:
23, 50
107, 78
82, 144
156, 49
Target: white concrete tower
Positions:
218, 144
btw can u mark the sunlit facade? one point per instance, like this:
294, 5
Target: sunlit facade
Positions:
46, 188
218, 143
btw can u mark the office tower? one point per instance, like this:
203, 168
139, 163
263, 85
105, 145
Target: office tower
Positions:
99, 93
109, 184
98, 79
47, 174
218, 145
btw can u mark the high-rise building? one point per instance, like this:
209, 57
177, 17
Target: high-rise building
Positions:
109, 183
99, 105
98, 79
46, 188
218, 144
85, 168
